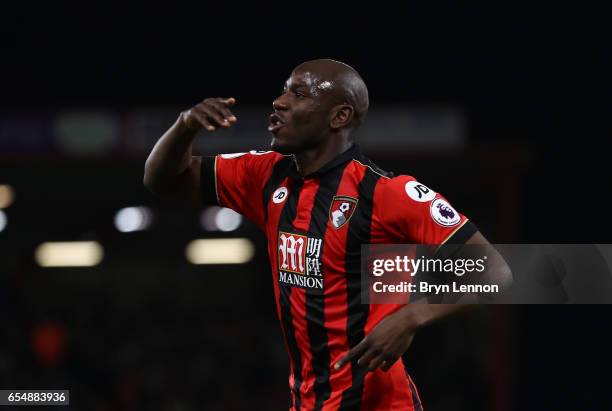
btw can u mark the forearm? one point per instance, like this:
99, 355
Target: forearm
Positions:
170, 157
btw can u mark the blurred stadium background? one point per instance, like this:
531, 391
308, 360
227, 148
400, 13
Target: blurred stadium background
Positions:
504, 109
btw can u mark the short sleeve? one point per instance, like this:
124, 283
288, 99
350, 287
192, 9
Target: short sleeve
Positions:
416, 214
237, 180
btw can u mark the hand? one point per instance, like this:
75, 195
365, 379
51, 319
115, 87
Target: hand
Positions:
385, 344
210, 114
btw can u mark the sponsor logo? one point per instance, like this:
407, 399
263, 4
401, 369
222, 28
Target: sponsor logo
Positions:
299, 260
419, 192
443, 214
280, 195
341, 210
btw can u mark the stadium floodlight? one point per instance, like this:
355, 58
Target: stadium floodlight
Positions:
69, 254
220, 219
3, 220
220, 251
7, 195
131, 219
227, 219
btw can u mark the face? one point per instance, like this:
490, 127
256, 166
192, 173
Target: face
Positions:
301, 113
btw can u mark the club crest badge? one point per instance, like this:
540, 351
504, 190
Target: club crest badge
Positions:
341, 210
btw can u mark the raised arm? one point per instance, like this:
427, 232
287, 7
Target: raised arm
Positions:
171, 170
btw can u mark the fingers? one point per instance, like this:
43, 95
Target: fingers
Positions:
355, 352
387, 364
229, 101
200, 118
343, 361
368, 355
211, 114
375, 360
223, 111
375, 363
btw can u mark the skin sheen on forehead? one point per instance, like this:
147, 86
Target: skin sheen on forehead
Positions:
326, 85
314, 83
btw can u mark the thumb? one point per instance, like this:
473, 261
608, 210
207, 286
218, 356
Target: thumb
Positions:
229, 101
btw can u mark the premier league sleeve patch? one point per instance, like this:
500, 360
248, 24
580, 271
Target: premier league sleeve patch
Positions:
341, 210
443, 214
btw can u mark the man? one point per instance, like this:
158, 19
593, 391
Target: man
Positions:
317, 198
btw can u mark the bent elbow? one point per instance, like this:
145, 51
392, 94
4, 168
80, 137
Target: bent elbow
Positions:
147, 179
151, 182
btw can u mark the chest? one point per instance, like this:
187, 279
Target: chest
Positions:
316, 229
317, 208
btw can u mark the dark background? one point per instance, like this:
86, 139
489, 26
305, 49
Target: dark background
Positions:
147, 330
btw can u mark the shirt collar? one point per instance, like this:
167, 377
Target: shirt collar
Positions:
352, 152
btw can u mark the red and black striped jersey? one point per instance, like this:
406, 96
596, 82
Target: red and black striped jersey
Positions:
315, 226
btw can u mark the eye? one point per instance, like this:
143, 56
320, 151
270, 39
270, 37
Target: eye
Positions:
299, 95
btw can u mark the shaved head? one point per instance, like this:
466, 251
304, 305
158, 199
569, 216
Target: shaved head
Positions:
321, 105
340, 81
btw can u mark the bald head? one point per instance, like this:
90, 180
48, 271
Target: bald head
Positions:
340, 82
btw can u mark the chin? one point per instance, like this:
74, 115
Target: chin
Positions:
282, 148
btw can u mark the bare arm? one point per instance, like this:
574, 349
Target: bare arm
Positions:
391, 337
171, 170
497, 271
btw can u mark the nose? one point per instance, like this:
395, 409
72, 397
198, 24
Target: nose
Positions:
279, 103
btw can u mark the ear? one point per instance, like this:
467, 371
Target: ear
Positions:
341, 116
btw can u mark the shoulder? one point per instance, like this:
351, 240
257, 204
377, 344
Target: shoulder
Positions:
406, 190
366, 166
244, 167
254, 155
252, 160
392, 187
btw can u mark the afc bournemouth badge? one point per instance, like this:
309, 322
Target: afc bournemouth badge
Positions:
341, 210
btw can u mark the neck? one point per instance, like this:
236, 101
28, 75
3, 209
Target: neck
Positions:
313, 159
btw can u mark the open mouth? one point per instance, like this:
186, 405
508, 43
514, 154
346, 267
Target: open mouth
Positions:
276, 122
